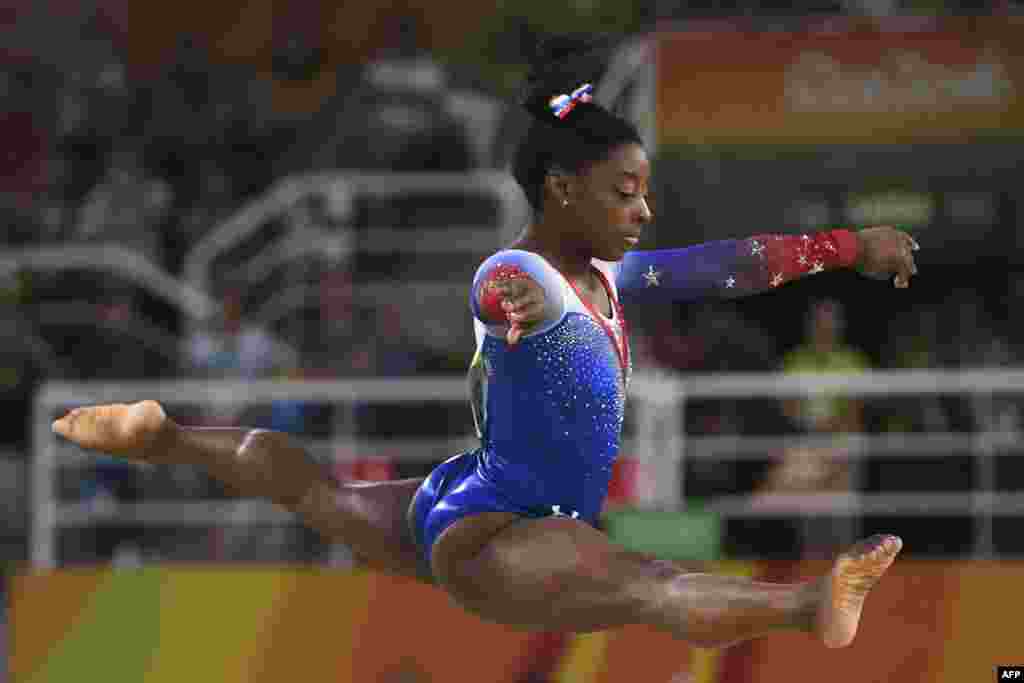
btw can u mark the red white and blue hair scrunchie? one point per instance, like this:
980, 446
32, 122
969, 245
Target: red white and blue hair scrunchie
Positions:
561, 105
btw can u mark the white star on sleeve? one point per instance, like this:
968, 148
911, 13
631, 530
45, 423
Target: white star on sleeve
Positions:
756, 248
776, 280
652, 277
817, 267
802, 260
730, 283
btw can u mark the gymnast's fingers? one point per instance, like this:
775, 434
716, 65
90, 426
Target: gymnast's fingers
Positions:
529, 312
513, 288
515, 332
531, 298
902, 278
911, 242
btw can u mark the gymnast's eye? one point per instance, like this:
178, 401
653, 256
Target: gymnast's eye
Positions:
628, 196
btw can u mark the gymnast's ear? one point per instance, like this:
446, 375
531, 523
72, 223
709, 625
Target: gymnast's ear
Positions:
559, 185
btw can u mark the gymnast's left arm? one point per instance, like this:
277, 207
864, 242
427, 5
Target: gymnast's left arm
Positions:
742, 267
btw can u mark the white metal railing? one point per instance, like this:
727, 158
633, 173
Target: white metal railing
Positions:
658, 442
665, 483
50, 454
341, 187
127, 263
672, 393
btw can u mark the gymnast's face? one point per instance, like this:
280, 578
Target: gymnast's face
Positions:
608, 201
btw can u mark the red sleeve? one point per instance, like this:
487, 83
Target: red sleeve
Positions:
788, 257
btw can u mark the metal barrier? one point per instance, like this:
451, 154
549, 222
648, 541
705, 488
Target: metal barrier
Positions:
341, 188
193, 302
263, 248
657, 441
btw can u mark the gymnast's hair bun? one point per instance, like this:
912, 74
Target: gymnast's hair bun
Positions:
561, 66
569, 129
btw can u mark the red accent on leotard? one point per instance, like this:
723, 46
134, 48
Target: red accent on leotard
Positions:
622, 350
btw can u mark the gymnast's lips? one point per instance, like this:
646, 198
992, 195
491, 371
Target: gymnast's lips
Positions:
632, 240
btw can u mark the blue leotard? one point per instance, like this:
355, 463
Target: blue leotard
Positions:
549, 410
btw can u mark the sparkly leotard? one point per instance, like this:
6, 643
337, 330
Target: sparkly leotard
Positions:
549, 410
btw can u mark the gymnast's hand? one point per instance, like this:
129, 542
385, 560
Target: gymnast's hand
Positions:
523, 304
128, 431
887, 252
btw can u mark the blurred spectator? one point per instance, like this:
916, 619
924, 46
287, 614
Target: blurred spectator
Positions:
294, 416
824, 351
394, 118
973, 340
213, 203
181, 125
913, 340
969, 340
23, 122
710, 337
396, 121
338, 318
127, 206
716, 338
824, 469
95, 104
398, 353
981, 345
230, 348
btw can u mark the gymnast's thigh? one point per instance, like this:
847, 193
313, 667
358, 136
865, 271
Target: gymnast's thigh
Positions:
546, 573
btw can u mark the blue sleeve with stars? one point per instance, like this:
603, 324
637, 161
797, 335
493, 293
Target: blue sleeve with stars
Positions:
731, 268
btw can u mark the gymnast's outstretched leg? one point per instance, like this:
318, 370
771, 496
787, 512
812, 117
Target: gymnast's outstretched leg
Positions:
369, 517
560, 574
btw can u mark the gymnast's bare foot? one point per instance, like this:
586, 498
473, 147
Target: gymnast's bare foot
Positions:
125, 430
854, 573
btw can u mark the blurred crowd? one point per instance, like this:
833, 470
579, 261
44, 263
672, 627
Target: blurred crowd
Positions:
961, 332
151, 163
103, 155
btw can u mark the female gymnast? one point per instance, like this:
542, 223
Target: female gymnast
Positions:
507, 529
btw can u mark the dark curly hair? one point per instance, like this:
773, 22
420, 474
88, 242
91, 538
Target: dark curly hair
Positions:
587, 134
